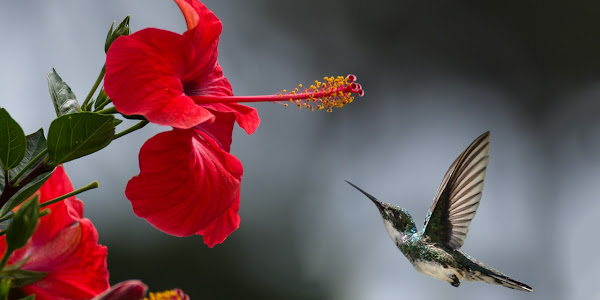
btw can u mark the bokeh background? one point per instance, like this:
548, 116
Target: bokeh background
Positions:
436, 75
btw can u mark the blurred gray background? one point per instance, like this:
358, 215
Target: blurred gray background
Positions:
436, 75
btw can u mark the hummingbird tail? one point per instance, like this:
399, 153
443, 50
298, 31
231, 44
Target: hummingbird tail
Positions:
492, 277
477, 271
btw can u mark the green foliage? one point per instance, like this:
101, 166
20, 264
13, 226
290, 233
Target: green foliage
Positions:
122, 29
13, 145
25, 192
63, 98
1, 182
23, 225
21, 277
79, 134
101, 101
4, 288
36, 143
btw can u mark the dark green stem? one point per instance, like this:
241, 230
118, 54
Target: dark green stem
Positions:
10, 190
90, 186
8, 217
6, 255
94, 88
102, 105
108, 111
131, 129
26, 167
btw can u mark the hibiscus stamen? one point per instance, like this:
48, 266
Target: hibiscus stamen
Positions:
175, 294
332, 92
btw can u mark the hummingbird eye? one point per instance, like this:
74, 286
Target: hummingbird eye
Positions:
395, 213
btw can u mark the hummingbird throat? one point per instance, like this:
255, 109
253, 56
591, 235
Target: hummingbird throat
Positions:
399, 237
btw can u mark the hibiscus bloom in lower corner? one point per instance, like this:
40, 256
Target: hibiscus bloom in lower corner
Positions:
135, 290
126, 290
64, 247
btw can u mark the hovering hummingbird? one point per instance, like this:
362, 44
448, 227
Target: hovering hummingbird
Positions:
435, 251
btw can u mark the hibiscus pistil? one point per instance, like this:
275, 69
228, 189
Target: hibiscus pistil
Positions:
332, 92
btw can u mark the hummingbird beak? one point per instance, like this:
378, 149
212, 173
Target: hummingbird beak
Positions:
377, 202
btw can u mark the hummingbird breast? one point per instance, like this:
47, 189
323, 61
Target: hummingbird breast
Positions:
431, 260
436, 270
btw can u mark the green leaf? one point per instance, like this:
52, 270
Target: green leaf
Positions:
79, 134
23, 224
4, 288
36, 143
12, 141
21, 278
117, 122
30, 297
1, 181
63, 98
25, 192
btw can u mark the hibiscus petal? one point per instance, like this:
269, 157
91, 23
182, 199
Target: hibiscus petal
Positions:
57, 185
126, 290
220, 130
245, 116
144, 77
221, 227
75, 263
189, 13
204, 29
184, 183
65, 246
206, 81
194, 11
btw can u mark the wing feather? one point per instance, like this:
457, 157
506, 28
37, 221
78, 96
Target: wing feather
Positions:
458, 196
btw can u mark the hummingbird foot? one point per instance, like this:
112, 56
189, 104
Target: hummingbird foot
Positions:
455, 281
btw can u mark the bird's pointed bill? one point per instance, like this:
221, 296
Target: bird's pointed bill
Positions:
377, 202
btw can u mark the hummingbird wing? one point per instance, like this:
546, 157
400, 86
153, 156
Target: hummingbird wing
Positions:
458, 196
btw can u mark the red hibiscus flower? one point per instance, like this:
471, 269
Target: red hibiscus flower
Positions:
126, 290
64, 246
188, 182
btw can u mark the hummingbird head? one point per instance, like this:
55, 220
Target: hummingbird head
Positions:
396, 219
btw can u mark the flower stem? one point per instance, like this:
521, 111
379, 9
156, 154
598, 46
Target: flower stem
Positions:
103, 104
29, 164
8, 217
90, 186
108, 111
131, 129
93, 90
6, 255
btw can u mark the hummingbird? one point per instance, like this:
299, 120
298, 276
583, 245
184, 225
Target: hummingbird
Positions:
435, 251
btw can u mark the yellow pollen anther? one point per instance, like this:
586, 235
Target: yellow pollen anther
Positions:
332, 92
175, 294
